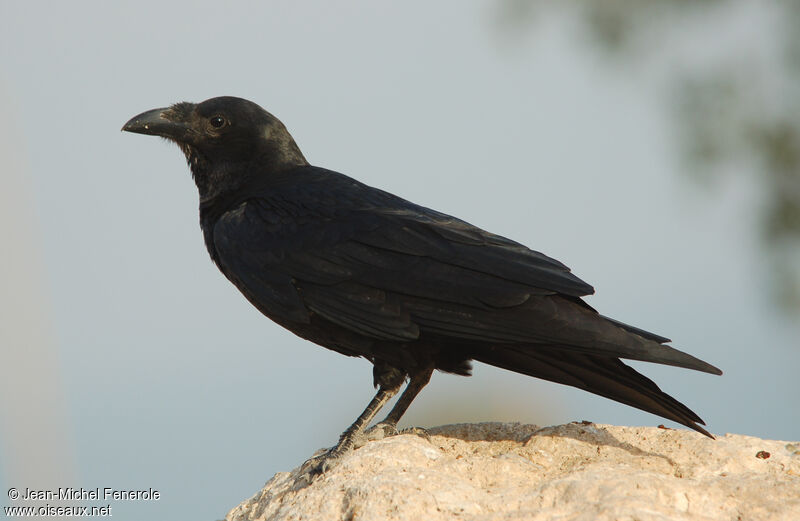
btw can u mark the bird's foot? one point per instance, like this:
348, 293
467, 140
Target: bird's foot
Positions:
380, 431
383, 430
419, 431
322, 462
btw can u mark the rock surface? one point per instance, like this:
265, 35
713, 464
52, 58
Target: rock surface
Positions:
574, 472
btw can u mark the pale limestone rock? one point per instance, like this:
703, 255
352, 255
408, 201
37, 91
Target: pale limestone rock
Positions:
574, 472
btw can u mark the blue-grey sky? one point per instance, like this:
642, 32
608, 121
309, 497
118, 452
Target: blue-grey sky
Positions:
135, 364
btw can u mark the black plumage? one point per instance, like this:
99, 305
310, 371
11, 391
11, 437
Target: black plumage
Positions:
366, 273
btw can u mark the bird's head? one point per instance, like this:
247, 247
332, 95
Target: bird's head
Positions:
223, 139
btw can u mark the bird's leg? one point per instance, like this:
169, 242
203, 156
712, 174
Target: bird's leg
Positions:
388, 426
388, 380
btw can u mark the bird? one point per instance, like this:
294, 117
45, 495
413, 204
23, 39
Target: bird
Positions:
366, 273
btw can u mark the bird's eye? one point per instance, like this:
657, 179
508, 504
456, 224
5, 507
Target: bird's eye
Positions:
217, 122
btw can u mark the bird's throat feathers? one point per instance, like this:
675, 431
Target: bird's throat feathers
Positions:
213, 180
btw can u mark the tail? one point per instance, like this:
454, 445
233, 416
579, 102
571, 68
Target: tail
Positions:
581, 329
602, 375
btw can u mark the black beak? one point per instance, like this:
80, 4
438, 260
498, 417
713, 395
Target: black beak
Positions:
156, 123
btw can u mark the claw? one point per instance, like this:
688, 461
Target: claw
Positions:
383, 430
318, 465
380, 431
419, 431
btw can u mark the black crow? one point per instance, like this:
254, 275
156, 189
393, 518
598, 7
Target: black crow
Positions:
366, 273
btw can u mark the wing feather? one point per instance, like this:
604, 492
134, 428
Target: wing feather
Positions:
393, 270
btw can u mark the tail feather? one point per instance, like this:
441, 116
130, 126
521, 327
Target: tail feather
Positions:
641, 332
582, 330
604, 376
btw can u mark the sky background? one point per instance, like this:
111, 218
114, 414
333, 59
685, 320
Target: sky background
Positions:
130, 362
